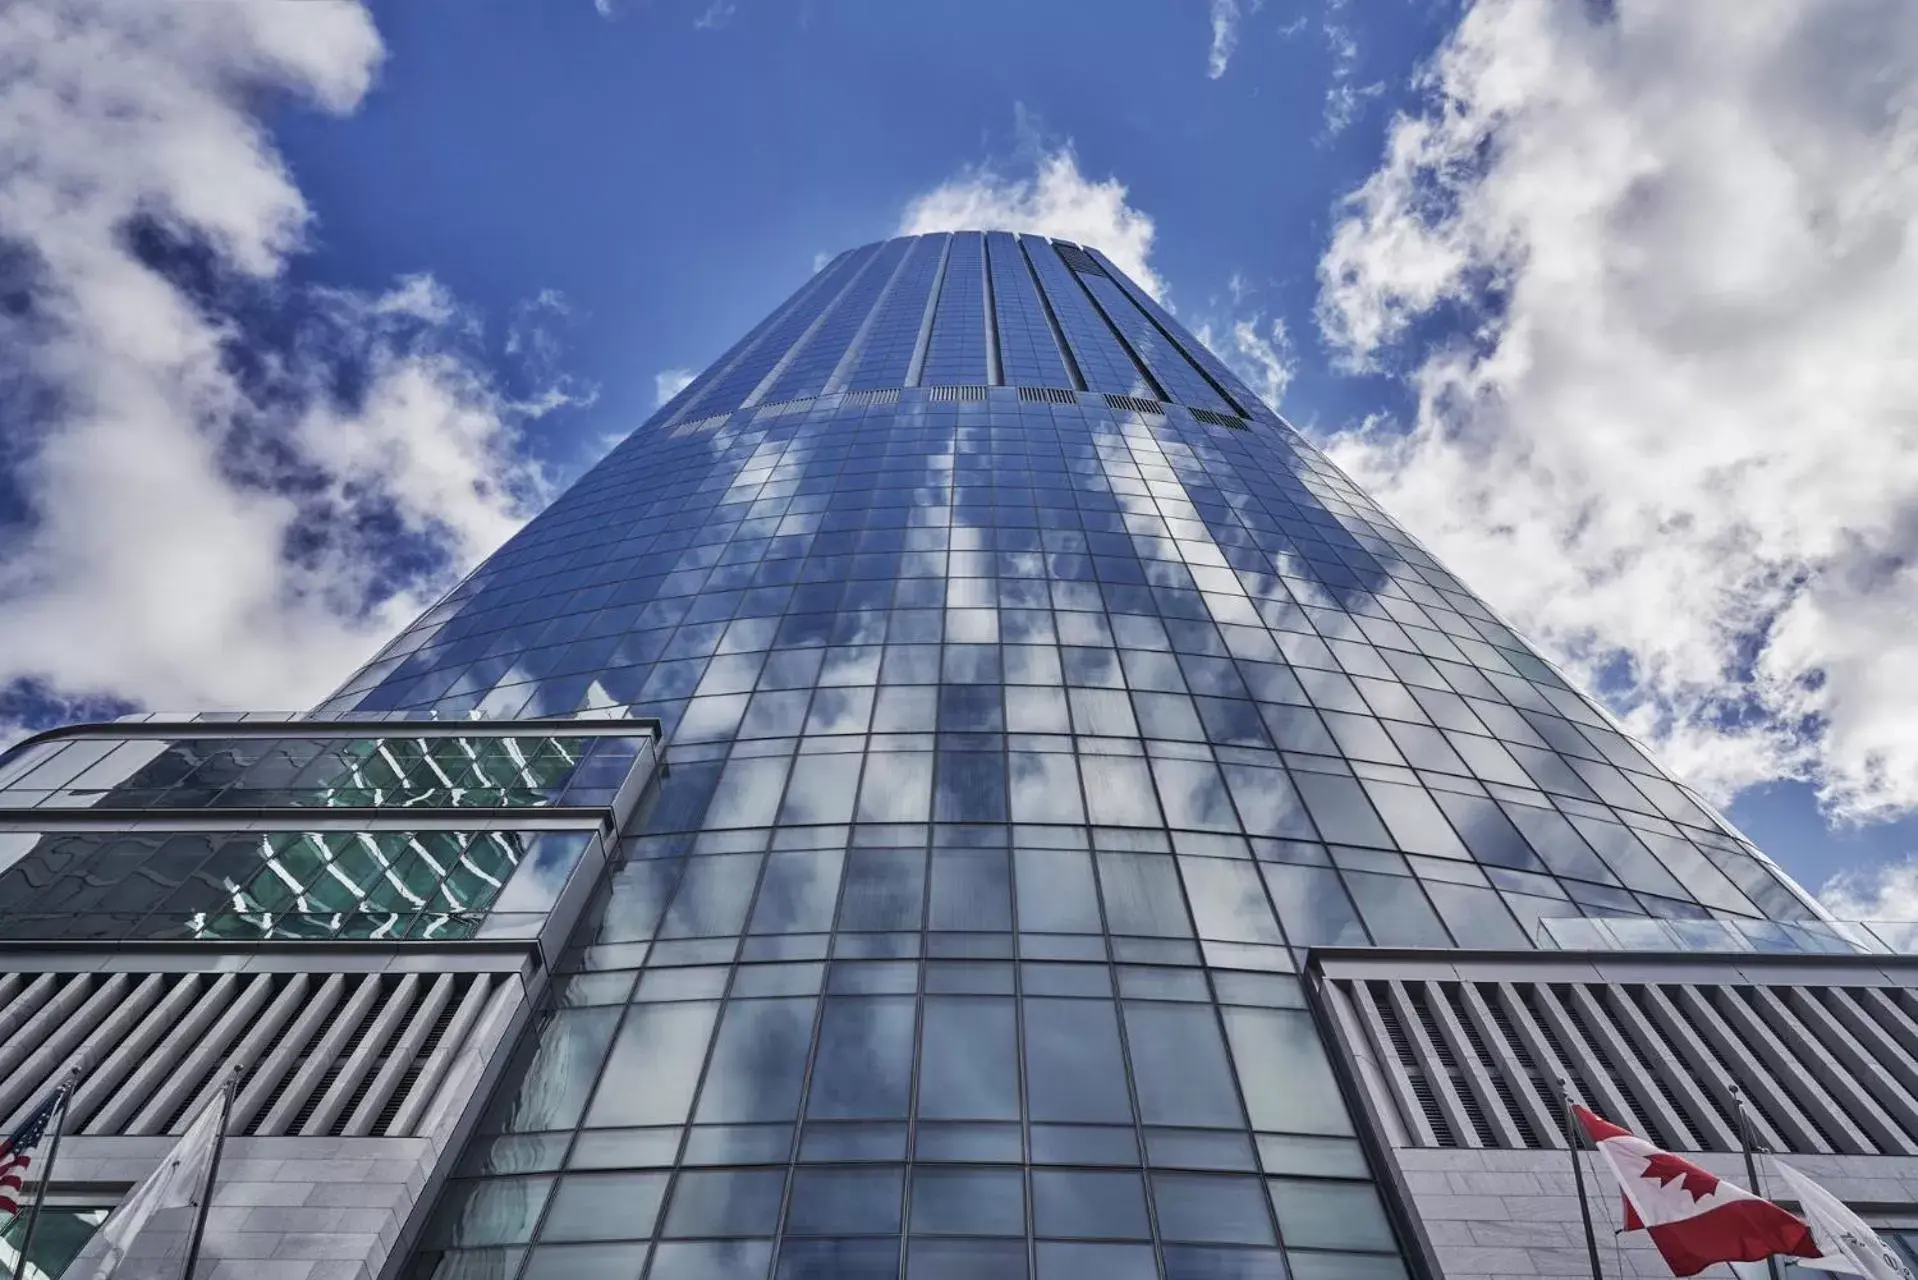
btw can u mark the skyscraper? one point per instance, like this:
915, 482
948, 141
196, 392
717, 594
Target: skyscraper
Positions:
1045, 724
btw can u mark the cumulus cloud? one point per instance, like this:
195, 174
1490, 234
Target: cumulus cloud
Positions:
668, 383
1679, 439
208, 516
1225, 36
1881, 893
1256, 348
1056, 200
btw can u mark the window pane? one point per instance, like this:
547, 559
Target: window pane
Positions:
1313, 905
1194, 795
897, 787
864, 1070
971, 1202
712, 1260
969, 1061
1330, 1215
1119, 791
759, 1062
1228, 901
1477, 915
563, 1069
971, 889
1045, 787
1063, 1260
885, 889
822, 789
839, 1260
713, 896
1396, 911
844, 1202
1288, 1086
1142, 895
654, 1066
725, 1202
1340, 809
1268, 802
1056, 891
799, 892
583, 1262
966, 1260
1219, 1210
604, 1206
1089, 1205
1180, 1066
1073, 1071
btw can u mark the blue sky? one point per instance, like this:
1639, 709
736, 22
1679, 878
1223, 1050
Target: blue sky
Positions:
307, 306
673, 180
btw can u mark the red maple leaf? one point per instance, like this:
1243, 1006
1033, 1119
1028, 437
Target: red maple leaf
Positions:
1662, 1167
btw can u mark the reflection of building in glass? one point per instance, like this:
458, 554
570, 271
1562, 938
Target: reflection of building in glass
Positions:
353, 914
1090, 839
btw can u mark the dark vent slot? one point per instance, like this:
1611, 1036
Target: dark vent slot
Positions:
1220, 419
1512, 1038
1137, 404
1655, 1129
1389, 1019
1527, 1134
701, 424
1476, 1114
885, 395
957, 393
1078, 259
311, 1102
784, 406
1416, 992
397, 1099
1047, 395
1428, 1103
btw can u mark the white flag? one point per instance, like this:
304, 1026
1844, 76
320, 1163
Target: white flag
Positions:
1849, 1245
176, 1184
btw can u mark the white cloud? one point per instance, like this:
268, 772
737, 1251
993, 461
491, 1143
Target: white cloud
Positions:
1677, 434
717, 14
668, 383
212, 521
1344, 100
1057, 200
1258, 349
1888, 892
1225, 36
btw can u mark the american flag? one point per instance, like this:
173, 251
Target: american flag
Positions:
17, 1152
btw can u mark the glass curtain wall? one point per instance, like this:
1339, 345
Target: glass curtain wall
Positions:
1028, 715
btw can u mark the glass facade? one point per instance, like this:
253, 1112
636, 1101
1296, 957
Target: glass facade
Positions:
1033, 697
149, 830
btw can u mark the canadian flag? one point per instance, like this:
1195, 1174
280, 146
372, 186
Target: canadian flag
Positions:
1694, 1217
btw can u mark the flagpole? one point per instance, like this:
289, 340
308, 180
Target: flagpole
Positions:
46, 1174
1751, 1165
1578, 1176
212, 1173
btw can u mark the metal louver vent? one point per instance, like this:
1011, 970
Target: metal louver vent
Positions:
1824, 1069
1047, 395
882, 395
700, 425
1218, 419
957, 393
1078, 259
365, 1051
1136, 404
784, 406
